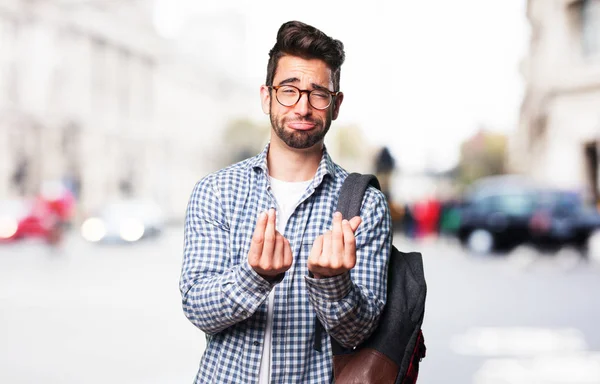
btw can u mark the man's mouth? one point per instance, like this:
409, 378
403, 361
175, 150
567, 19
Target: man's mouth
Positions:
301, 125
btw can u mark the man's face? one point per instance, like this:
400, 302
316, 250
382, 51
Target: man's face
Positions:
301, 126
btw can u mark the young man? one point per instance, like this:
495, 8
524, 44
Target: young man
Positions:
265, 252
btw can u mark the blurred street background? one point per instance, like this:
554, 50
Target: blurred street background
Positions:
481, 119
111, 314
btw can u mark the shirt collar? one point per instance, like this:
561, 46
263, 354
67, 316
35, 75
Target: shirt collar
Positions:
326, 166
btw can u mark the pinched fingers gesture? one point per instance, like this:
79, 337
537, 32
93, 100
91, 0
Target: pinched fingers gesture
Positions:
334, 252
270, 253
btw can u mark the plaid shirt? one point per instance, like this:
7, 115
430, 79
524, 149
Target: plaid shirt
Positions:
224, 297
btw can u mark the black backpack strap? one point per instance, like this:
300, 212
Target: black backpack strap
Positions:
353, 192
349, 204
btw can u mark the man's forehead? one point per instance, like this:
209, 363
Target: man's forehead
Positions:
293, 67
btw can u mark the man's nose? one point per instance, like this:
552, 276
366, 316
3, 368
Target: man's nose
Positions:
303, 105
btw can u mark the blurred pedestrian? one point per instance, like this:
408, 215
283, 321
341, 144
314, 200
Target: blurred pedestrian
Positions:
426, 215
384, 167
56, 204
264, 249
449, 221
408, 222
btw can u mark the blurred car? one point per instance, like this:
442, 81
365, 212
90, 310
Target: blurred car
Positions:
22, 218
502, 212
495, 214
124, 221
562, 218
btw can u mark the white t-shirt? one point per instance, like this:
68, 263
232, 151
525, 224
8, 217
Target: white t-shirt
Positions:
287, 194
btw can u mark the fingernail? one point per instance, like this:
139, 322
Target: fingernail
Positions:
262, 215
337, 214
345, 222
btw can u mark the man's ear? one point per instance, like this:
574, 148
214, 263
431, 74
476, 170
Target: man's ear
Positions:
337, 102
265, 99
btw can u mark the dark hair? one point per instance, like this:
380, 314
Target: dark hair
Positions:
298, 39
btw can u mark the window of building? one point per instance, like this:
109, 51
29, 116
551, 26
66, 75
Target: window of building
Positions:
99, 89
590, 27
9, 74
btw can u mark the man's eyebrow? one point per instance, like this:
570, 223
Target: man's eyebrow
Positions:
317, 86
295, 80
289, 80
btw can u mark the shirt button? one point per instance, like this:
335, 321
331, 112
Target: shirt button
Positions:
244, 313
256, 343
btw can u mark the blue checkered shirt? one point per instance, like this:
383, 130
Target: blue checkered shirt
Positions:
224, 297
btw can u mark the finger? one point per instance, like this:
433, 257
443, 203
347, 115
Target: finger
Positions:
315, 252
278, 252
269, 245
337, 236
256, 245
355, 222
287, 254
349, 246
326, 252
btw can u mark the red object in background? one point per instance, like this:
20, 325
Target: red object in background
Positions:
43, 217
20, 220
34, 226
61, 208
427, 214
55, 210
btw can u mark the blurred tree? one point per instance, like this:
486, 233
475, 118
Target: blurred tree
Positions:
346, 141
243, 138
350, 148
484, 154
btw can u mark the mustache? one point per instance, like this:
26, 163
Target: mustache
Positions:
302, 120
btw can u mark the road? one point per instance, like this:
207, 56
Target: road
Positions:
112, 314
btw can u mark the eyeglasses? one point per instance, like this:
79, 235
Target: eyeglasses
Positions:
288, 95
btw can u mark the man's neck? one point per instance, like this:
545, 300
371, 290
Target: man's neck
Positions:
289, 164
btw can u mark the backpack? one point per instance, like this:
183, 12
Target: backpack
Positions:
393, 352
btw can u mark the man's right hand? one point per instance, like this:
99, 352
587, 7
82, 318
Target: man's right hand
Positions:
270, 253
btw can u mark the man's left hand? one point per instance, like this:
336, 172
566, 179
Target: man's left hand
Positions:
334, 252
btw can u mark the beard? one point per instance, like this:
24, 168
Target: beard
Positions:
300, 139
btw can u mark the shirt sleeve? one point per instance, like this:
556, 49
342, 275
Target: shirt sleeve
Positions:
215, 293
349, 305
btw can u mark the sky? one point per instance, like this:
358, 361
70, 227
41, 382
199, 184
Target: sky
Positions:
420, 76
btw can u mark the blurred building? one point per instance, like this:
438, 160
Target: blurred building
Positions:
90, 94
559, 131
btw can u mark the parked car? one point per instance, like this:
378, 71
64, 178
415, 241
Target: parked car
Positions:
495, 215
46, 215
562, 218
20, 219
127, 220
502, 212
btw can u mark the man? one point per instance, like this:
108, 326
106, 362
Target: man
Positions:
265, 252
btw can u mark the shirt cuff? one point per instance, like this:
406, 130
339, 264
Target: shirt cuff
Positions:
329, 289
250, 281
